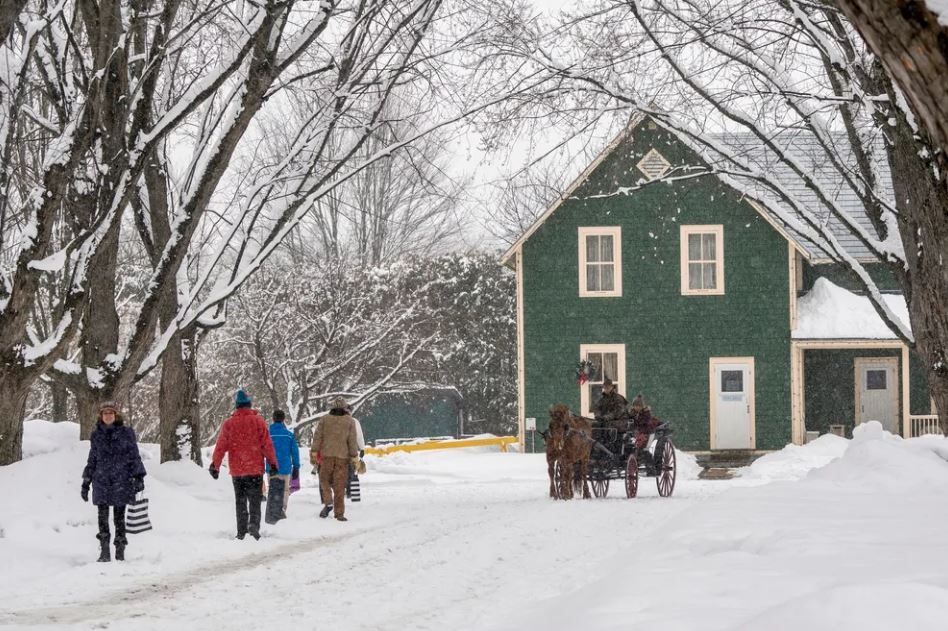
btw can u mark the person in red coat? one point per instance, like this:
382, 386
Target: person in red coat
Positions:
246, 440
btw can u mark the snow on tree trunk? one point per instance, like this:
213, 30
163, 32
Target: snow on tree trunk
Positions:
179, 406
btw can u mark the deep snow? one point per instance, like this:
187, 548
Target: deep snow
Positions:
835, 535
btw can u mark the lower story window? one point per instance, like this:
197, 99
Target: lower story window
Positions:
608, 361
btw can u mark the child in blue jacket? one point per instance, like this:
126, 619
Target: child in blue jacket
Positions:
287, 453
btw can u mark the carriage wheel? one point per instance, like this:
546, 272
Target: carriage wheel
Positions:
666, 475
577, 480
632, 477
600, 486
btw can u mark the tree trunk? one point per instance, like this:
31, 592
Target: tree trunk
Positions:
913, 46
60, 397
13, 394
179, 401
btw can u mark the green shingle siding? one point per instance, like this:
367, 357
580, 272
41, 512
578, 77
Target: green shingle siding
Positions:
842, 277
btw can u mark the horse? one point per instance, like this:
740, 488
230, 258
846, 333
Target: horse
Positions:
570, 443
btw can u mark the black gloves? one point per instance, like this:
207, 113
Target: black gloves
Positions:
214, 472
274, 470
362, 453
138, 484
296, 474
85, 491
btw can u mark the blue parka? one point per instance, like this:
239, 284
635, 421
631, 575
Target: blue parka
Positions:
287, 451
113, 463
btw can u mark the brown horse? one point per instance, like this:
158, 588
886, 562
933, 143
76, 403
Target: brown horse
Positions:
570, 443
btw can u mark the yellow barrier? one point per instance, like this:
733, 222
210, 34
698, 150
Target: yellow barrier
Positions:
502, 441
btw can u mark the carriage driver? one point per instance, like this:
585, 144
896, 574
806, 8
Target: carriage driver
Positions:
612, 408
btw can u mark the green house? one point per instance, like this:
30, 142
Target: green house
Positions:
739, 332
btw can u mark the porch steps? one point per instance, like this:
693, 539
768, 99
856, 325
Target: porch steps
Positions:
716, 473
726, 459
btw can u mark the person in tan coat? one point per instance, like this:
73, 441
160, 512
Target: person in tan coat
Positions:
335, 446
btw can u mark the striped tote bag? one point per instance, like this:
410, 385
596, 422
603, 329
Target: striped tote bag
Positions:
136, 516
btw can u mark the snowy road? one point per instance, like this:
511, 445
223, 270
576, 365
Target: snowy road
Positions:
465, 542
836, 536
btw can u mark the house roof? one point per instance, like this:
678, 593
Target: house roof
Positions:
828, 311
806, 151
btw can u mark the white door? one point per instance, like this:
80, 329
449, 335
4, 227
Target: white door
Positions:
732, 403
877, 382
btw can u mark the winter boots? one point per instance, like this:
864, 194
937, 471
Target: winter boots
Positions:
326, 510
104, 554
120, 549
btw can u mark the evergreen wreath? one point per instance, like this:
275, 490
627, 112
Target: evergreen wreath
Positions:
585, 369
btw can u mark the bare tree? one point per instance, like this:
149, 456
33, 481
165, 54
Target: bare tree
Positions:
130, 80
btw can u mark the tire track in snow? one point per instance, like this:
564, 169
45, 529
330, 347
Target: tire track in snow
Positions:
118, 603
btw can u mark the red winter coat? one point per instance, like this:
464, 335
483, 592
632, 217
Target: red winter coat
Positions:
246, 440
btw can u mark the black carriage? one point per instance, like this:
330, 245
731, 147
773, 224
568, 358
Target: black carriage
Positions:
614, 456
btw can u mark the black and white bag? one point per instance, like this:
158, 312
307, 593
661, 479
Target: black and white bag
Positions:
136, 516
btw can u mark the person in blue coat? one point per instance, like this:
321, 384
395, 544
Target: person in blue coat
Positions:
115, 472
287, 451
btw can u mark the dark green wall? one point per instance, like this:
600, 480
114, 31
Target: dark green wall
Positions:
831, 388
669, 337
398, 416
841, 276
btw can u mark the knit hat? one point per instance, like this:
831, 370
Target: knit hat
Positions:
242, 399
638, 403
339, 404
109, 405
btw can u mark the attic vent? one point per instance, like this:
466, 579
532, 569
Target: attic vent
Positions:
653, 165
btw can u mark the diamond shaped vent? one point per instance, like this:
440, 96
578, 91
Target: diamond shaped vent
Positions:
653, 165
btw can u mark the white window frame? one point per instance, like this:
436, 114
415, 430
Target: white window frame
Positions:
616, 233
586, 389
718, 232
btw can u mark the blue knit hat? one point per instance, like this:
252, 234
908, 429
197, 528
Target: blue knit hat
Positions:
242, 399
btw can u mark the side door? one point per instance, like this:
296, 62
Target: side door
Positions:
732, 403
877, 382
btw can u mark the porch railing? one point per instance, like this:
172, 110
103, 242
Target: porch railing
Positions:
924, 424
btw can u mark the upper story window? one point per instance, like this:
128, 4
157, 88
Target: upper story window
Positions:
702, 260
600, 261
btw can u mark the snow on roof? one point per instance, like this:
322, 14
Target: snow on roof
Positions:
830, 312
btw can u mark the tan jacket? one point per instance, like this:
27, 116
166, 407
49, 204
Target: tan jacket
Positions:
335, 438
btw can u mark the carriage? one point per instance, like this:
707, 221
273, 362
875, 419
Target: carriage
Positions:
614, 456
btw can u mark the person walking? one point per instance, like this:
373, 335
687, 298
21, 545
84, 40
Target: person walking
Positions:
335, 446
245, 440
287, 453
115, 472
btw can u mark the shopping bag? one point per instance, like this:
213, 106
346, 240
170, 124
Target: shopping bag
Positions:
275, 500
294, 485
136, 516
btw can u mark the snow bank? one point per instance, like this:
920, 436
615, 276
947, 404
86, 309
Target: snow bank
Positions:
830, 312
795, 461
43, 437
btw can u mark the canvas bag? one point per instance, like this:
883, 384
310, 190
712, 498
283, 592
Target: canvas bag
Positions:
136, 515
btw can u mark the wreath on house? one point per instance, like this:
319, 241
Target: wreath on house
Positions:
585, 369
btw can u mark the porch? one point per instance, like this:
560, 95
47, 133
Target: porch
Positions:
838, 384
